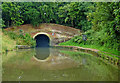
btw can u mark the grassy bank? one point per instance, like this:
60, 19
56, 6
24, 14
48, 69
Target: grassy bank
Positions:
7, 43
103, 50
10, 39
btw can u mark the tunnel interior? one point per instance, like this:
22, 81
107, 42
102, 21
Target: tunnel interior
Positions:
42, 40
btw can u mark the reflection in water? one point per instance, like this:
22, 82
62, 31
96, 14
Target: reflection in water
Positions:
42, 53
55, 65
53, 59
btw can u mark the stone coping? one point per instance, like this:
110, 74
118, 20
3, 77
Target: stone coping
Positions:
23, 46
95, 52
105, 58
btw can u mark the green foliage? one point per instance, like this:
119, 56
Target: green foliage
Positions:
75, 15
36, 13
77, 39
105, 20
71, 14
21, 39
98, 47
11, 14
100, 21
2, 23
7, 43
105, 30
28, 40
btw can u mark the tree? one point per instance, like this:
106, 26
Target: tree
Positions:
11, 14
106, 25
75, 14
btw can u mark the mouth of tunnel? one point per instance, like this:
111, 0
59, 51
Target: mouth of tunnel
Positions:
42, 40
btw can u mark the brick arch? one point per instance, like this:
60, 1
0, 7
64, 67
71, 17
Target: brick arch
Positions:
40, 33
45, 34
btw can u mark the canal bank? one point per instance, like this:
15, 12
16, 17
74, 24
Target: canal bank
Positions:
24, 41
111, 60
8, 44
23, 64
60, 64
106, 58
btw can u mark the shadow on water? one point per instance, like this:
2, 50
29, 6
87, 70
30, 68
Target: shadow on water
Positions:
42, 52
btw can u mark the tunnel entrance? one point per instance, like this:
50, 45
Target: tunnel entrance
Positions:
42, 40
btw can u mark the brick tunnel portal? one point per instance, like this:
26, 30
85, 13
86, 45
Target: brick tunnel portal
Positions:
42, 40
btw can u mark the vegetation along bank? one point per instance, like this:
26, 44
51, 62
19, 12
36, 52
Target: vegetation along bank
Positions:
98, 21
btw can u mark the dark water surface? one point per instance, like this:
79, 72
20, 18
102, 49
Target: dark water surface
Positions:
50, 64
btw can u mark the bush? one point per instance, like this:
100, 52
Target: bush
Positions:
78, 39
21, 39
100, 38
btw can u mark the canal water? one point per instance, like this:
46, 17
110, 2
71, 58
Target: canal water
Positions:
55, 64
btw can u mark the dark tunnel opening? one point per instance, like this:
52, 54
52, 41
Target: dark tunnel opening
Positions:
42, 40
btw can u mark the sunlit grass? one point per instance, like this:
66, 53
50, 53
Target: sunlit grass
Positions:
101, 48
7, 43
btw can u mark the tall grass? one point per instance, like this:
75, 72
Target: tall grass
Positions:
98, 47
21, 38
7, 43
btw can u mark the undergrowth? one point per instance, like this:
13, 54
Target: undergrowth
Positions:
77, 41
21, 39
